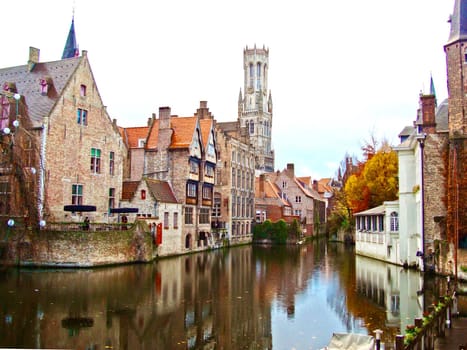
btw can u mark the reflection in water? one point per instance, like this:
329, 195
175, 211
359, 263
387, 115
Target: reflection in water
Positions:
242, 298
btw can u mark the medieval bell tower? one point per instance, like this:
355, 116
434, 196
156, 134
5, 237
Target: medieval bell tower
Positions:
255, 106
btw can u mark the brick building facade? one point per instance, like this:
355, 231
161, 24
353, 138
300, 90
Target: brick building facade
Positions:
79, 148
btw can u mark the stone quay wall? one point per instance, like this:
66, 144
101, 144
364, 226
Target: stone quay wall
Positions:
78, 248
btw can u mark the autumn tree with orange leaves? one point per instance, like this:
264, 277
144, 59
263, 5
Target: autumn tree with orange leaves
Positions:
375, 182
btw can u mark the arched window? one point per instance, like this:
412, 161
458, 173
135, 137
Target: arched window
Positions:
258, 76
252, 75
394, 222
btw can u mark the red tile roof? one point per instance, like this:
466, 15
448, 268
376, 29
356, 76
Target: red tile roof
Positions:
133, 135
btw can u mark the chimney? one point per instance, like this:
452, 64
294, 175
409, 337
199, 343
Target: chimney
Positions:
33, 58
164, 118
315, 185
290, 170
428, 111
203, 111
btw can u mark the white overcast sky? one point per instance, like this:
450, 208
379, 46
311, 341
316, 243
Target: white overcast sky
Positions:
339, 70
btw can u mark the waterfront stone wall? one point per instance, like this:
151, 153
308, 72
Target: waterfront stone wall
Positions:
78, 248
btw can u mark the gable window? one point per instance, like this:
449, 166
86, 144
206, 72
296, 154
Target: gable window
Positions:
194, 167
394, 222
143, 194
95, 160
82, 116
111, 163
82, 90
141, 143
189, 215
166, 220
111, 198
284, 184
298, 199
191, 189
76, 194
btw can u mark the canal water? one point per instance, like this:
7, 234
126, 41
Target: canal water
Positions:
240, 298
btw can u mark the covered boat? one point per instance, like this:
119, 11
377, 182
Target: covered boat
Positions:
350, 341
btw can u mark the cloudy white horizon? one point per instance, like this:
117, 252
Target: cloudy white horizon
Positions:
339, 71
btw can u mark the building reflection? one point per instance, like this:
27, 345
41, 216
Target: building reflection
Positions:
398, 291
221, 299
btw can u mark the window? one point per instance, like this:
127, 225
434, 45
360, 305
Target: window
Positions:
297, 212
298, 199
394, 222
111, 198
176, 220
191, 189
381, 223
216, 209
111, 163
194, 167
95, 160
284, 184
143, 194
82, 116
189, 215
209, 171
76, 194
204, 216
166, 220
207, 192
258, 76
252, 74
82, 90
373, 223
141, 143
252, 127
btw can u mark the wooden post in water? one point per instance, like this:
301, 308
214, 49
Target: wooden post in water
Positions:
399, 342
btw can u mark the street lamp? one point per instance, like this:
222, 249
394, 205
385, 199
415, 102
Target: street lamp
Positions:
421, 140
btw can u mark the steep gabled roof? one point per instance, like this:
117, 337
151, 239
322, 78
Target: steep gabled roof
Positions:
28, 84
129, 189
161, 190
206, 127
458, 22
271, 195
133, 135
184, 129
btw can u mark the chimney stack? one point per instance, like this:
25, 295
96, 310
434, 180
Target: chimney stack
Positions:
164, 118
33, 58
428, 111
290, 170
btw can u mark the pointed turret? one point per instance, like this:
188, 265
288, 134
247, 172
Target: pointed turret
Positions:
432, 89
71, 46
458, 22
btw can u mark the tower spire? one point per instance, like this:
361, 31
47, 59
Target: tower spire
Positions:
71, 46
458, 22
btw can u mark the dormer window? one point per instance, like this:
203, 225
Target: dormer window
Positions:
82, 90
44, 87
141, 143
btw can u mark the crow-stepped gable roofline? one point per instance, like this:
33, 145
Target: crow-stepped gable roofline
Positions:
458, 22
